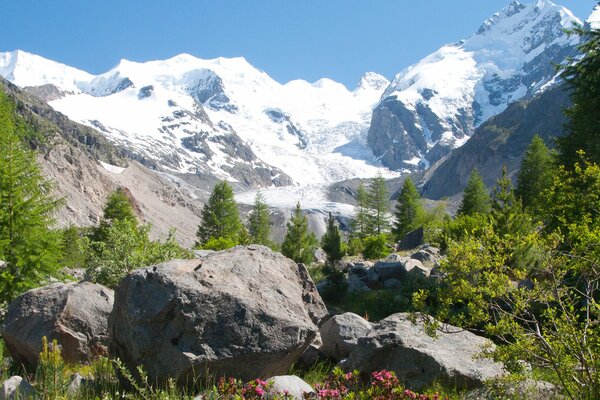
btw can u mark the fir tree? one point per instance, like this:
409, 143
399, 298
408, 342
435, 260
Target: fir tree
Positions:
331, 242
258, 222
507, 213
476, 198
220, 216
536, 173
27, 244
118, 207
299, 244
409, 210
360, 222
584, 115
379, 203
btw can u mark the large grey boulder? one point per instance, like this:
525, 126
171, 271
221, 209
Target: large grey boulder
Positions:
419, 360
290, 385
246, 312
15, 387
340, 334
75, 314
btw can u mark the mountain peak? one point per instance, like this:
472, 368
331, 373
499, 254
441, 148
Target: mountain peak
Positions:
372, 80
593, 20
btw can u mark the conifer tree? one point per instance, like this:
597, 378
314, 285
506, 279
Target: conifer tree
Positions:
476, 198
331, 242
220, 218
27, 244
299, 244
360, 222
118, 207
258, 222
584, 115
507, 211
379, 203
409, 210
536, 173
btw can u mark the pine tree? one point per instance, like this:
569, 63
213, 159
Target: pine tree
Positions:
507, 211
379, 203
220, 216
409, 210
331, 242
258, 222
536, 173
476, 198
299, 244
27, 244
118, 207
360, 222
584, 115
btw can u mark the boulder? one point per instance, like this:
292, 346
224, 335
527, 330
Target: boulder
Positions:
356, 285
245, 312
392, 284
289, 385
75, 314
15, 387
415, 268
393, 269
340, 334
419, 360
411, 240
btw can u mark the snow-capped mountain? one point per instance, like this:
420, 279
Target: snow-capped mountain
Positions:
435, 105
593, 20
220, 116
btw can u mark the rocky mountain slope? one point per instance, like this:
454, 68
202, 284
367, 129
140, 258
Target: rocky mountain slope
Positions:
220, 117
435, 106
500, 141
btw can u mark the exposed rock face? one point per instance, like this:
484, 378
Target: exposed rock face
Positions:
75, 314
341, 333
500, 141
245, 312
419, 360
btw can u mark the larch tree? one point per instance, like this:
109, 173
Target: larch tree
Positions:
409, 211
259, 227
220, 218
476, 198
379, 203
536, 173
299, 244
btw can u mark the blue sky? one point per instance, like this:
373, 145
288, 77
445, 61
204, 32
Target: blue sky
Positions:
288, 39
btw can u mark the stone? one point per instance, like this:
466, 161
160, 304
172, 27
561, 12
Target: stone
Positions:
373, 277
245, 312
415, 268
289, 385
340, 334
75, 314
411, 240
419, 360
15, 387
391, 283
528, 389
356, 285
394, 269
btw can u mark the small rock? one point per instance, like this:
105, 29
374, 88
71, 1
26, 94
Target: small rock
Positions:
15, 388
416, 269
290, 385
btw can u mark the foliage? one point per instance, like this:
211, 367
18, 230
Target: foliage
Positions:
258, 222
582, 76
378, 200
360, 222
220, 216
331, 242
507, 214
51, 375
535, 174
354, 246
409, 212
72, 249
27, 244
375, 247
299, 244
476, 198
218, 244
127, 247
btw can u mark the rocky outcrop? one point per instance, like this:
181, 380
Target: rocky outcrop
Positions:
341, 333
419, 360
75, 314
245, 312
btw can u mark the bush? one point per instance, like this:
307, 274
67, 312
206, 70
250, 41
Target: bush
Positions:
375, 247
218, 244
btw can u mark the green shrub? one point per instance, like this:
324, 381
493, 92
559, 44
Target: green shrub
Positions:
218, 244
376, 247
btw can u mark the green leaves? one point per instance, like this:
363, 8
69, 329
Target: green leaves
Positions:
476, 198
220, 216
299, 244
409, 212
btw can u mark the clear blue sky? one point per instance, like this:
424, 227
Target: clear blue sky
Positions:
288, 39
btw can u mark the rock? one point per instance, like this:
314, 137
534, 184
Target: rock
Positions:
289, 385
202, 253
341, 333
415, 268
356, 285
391, 283
419, 360
246, 312
411, 240
528, 389
394, 258
75, 314
77, 382
373, 277
15, 388
394, 269
358, 270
